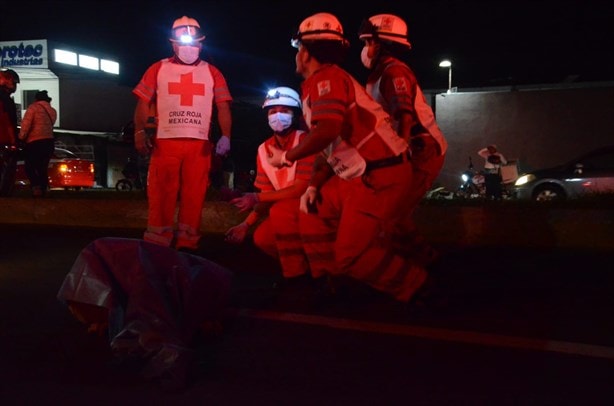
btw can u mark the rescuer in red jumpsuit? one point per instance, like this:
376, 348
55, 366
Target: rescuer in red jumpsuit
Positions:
393, 84
360, 187
175, 100
277, 201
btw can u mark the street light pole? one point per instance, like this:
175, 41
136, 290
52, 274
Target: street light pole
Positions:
447, 64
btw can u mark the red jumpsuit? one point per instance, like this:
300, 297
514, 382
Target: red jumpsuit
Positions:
279, 234
351, 232
181, 157
394, 85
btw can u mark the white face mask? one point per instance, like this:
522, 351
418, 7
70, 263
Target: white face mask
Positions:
364, 58
280, 121
188, 54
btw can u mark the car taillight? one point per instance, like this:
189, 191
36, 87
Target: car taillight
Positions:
63, 168
92, 168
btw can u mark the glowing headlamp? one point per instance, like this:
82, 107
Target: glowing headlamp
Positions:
186, 39
275, 94
187, 34
295, 41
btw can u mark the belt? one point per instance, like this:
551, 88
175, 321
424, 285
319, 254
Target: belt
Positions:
390, 161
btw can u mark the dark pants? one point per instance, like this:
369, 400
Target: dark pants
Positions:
37, 156
492, 182
8, 169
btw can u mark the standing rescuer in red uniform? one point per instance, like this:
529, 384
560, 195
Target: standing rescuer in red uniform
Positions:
172, 123
393, 84
360, 185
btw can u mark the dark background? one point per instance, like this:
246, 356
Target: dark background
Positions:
490, 43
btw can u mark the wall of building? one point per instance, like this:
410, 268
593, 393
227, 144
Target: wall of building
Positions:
537, 128
91, 104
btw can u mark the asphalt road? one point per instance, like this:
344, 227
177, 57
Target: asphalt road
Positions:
519, 327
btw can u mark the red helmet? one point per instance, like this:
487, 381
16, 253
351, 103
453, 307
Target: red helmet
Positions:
386, 27
319, 27
186, 30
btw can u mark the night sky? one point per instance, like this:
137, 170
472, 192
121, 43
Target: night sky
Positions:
490, 43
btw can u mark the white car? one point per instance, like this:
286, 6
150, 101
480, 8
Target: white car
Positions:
589, 174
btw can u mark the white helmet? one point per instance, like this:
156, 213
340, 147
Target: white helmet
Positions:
318, 27
386, 27
186, 30
282, 96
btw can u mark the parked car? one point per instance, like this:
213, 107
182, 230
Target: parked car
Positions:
591, 173
66, 170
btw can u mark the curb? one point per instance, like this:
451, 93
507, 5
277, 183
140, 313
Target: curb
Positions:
217, 216
539, 227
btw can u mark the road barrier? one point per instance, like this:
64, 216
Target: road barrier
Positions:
491, 224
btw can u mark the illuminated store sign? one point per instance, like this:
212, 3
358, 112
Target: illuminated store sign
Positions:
35, 54
24, 54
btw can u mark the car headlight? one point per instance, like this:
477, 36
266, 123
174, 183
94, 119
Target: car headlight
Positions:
464, 177
524, 179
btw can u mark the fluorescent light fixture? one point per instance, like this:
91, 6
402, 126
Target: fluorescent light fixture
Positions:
88, 62
66, 57
109, 66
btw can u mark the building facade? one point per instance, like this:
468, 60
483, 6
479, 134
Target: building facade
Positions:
84, 87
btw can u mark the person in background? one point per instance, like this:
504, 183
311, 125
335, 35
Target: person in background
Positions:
176, 98
493, 160
359, 188
279, 234
37, 134
8, 130
393, 84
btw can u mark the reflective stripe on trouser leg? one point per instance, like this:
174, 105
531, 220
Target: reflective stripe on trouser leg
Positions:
162, 188
284, 218
192, 190
319, 232
365, 253
363, 250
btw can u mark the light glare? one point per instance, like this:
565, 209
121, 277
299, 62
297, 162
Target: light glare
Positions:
109, 66
66, 57
88, 62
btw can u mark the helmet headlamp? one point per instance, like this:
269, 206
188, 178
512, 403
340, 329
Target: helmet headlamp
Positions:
282, 96
295, 41
187, 34
276, 94
186, 39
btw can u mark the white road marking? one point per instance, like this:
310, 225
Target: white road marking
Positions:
460, 336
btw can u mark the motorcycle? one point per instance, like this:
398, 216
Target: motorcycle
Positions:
472, 185
135, 175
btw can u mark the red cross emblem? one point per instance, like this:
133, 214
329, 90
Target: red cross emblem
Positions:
187, 89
